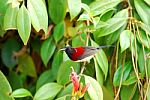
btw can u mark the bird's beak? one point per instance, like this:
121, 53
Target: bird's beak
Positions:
63, 49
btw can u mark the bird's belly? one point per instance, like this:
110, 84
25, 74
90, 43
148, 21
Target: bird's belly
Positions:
85, 59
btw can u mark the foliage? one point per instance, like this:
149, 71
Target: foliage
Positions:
33, 31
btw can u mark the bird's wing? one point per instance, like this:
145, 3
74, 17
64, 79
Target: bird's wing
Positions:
89, 51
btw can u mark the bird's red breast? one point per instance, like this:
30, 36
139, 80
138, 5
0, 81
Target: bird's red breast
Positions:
77, 53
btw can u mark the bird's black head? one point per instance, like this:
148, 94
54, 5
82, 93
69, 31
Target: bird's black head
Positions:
69, 51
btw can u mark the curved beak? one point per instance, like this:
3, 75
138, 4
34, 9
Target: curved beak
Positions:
63, 49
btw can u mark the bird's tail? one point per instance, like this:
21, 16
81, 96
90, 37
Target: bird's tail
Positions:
107, 46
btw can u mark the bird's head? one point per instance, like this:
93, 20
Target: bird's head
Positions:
67, 49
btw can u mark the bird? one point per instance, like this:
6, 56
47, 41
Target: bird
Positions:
82, 53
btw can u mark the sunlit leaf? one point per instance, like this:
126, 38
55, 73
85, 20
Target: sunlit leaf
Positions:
147, 1
62, 98
4, 84
14, 3
101, 59
99, 73
38, 14
84, 17
57, 12
143, 39
130, 80
24, 24
86, 7
47, 91
113, 24
20, 93
47, 50
125, 38
148, 93
26, 65
148, 68
3, 8
94, 90
101, 6
112, 38
143, 10
74, 8
145, 27
10, 18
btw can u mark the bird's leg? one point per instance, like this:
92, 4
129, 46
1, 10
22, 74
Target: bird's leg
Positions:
82, 68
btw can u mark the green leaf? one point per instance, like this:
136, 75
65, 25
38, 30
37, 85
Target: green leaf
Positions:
74, 8
12, 80
141, 62
143, 10
10, 17
95, 21
101, 24
62, 98
101, 59
84, 17
147, 1
107, 15
125, 39
23, 24
66, 91
38, 14
101, 6
127, 92
47, 50
21, 93
4, 96
4, 85
44, 78
81, 38
47, 91
112, 38
145, 27
99, 73
86, 7
95, 91
148, 94
132, 79
126, 72
148, 68
143, 39
65, 70
113, 24
57, 10
59, 30
9, 48
57, 60
14, 3
26, 65
3, 8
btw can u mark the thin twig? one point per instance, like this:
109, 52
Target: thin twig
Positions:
124, 57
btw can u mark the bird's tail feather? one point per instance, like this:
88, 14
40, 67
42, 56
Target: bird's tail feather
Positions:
107, 46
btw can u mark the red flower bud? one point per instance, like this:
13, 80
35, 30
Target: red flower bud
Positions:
75, 81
